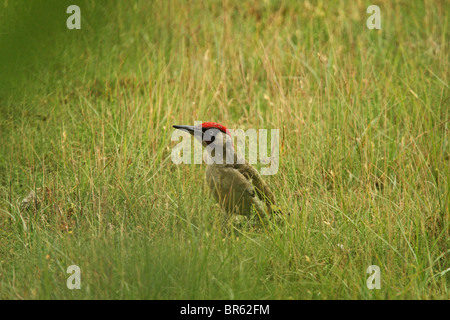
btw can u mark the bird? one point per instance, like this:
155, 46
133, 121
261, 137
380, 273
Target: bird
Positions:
236, 185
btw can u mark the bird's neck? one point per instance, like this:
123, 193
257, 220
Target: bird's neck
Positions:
222, 155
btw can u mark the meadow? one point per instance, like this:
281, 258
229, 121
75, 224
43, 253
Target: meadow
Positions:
86, 176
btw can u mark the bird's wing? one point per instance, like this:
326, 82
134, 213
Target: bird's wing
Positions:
262, 189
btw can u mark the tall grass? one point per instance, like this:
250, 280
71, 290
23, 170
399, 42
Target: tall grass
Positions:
86, 121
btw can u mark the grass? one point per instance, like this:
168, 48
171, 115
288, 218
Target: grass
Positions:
86, 120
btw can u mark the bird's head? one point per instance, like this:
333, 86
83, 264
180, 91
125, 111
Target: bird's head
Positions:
209, 134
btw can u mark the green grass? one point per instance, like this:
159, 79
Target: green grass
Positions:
86, 120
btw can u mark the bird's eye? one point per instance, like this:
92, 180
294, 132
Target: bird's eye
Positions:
209, 135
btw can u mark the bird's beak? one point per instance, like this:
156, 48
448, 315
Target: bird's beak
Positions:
190, 129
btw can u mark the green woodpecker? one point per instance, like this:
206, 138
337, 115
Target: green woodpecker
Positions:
235, 184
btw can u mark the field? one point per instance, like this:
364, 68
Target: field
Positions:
86, 176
